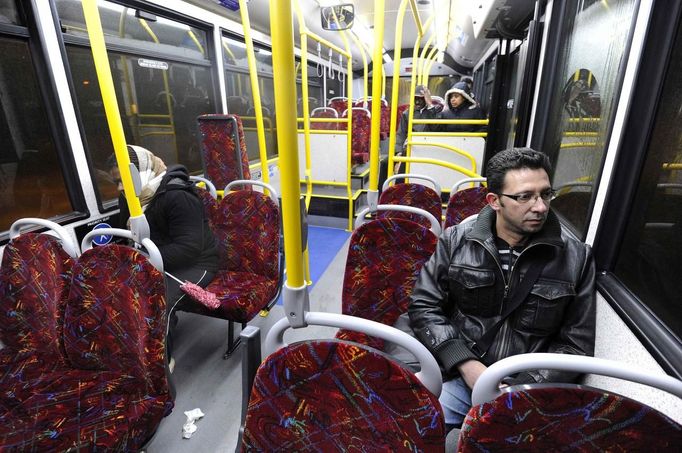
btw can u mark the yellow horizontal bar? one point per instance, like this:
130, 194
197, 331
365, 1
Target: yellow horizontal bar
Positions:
325, 131
578, 145
322, 182
442, 163
455, 150
421, 121
324, 120
321, 40
673, 166
581, 134
584, 120
355, 196
447, 134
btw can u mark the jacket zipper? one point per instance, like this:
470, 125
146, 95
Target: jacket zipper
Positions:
501, 348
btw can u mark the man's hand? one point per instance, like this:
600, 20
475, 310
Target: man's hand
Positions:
427, 97
470, 371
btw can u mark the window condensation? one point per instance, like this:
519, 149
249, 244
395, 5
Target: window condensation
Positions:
9, 13
649, 260
31, 179
584, 100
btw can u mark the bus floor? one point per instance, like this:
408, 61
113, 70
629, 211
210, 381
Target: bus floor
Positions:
204, 380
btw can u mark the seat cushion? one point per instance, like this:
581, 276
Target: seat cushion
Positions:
335, 396
465, 203
86, 410
22, 373
242, 295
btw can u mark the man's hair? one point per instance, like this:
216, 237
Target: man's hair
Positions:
513, 159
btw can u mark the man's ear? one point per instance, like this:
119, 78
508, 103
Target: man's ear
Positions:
493, 200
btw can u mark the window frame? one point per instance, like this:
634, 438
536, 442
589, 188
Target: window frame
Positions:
664, 346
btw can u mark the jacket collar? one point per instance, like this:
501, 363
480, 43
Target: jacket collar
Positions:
550, 234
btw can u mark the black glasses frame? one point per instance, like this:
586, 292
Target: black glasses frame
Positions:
546, 196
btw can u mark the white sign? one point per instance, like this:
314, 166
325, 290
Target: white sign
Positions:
153, 64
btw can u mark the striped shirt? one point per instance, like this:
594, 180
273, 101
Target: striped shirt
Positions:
508, 255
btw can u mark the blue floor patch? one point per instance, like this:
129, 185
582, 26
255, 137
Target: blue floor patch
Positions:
323, 245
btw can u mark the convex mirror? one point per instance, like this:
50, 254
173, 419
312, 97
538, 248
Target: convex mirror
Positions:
338, 17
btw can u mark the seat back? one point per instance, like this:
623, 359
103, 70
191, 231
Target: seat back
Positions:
247, 233
401, 109
223, 149
411, 194
384, 259
326, 395
34, 283
115, 318
464, 203
340, 104
544, 417
324, 112
361, 129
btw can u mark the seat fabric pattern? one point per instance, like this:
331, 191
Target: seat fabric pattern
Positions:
218, 147
34, 280
561, 419
325, 126
210, 207
464, 203
247, 231
115, 391
401, 109
361, 128
336, 396
415, 195
340, 105
384, 259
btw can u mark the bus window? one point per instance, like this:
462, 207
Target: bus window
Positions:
583, 101
162, 85
239, 94
649, 260
31, 178
9, 13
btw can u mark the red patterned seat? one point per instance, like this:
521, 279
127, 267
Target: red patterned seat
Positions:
115, 391
361, 128
324, 112
385, 119
340, 104
34, 279
385, 257
464, 203
336, 396
247, 233
412, 194
401, 109
223, 149
574, 418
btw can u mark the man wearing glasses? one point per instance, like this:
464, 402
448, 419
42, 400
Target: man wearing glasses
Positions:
470, 305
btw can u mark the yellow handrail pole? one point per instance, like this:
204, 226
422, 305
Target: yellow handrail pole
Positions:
413, 80
194, 38
442, 163
106, 84
364, 65
349, 131
378, 68
285, 97
426, 69
397, 51
418, 22
422, 58
229, 52
255, 91
306, 113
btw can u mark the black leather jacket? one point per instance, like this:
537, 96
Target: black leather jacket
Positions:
461, 290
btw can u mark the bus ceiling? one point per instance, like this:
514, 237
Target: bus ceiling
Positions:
464, 28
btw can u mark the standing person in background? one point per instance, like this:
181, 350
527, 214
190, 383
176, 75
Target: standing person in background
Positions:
460, 105
423, 108
177, 225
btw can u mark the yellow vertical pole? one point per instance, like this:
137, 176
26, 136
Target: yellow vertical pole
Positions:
422, 59
255, 91
364, 65
397, 50
106, 85
349, 129
378, 68
285, 100
426, 67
